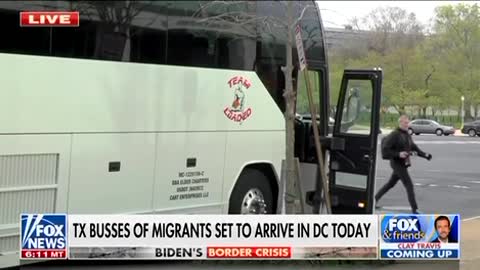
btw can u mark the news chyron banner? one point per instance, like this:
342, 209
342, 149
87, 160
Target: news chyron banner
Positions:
420, 237
222, 236
199, 237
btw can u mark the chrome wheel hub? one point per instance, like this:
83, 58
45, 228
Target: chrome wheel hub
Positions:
254, 203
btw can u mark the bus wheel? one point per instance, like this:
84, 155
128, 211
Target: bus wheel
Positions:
252, 194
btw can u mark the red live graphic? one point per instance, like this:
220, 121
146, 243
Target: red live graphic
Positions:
49, 18
249, 252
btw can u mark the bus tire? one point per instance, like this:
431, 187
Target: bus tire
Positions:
252, 194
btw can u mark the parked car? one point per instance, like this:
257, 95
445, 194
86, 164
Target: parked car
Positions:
471, 128
425, 126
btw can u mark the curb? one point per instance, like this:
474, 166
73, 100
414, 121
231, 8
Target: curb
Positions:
458, 132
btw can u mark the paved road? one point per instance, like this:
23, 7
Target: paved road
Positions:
449, 183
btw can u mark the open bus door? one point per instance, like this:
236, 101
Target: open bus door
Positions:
353, 146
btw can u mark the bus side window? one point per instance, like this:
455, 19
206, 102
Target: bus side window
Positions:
139, 36
271, 49
198, 38
302, 106
311, 31
22, 40
136, 36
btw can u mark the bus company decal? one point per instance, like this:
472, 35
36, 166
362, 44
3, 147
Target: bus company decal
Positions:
238, 111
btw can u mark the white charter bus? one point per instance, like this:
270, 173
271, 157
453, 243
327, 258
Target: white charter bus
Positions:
166, 107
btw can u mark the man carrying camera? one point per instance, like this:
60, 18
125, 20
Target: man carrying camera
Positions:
398, 146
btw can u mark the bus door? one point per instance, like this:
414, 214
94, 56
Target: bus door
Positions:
353, 146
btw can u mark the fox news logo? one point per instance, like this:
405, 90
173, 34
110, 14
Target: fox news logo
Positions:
43, 236
403, 229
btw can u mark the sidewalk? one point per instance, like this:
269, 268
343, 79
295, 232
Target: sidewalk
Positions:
470, 245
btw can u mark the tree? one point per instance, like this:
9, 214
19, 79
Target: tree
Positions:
393, 35
457, 35
423, 71
391, 28
276, 22
355, 23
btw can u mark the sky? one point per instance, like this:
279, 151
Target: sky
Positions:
337, 13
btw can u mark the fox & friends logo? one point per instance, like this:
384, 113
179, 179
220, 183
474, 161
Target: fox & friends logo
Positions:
43, 236
237, 110
401, 229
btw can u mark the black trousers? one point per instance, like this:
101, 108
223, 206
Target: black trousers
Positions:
400, 172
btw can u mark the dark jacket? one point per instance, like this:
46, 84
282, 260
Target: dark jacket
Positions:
450, 240
398, 141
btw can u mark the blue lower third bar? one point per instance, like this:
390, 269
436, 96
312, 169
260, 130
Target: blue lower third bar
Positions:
419, 254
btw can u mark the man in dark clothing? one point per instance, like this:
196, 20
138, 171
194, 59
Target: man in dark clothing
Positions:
398, 148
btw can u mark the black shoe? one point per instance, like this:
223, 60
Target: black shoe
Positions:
416, 212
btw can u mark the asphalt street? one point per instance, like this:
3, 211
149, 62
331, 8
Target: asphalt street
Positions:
449, 183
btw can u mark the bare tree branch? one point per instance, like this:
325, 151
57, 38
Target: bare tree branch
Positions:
205, 6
